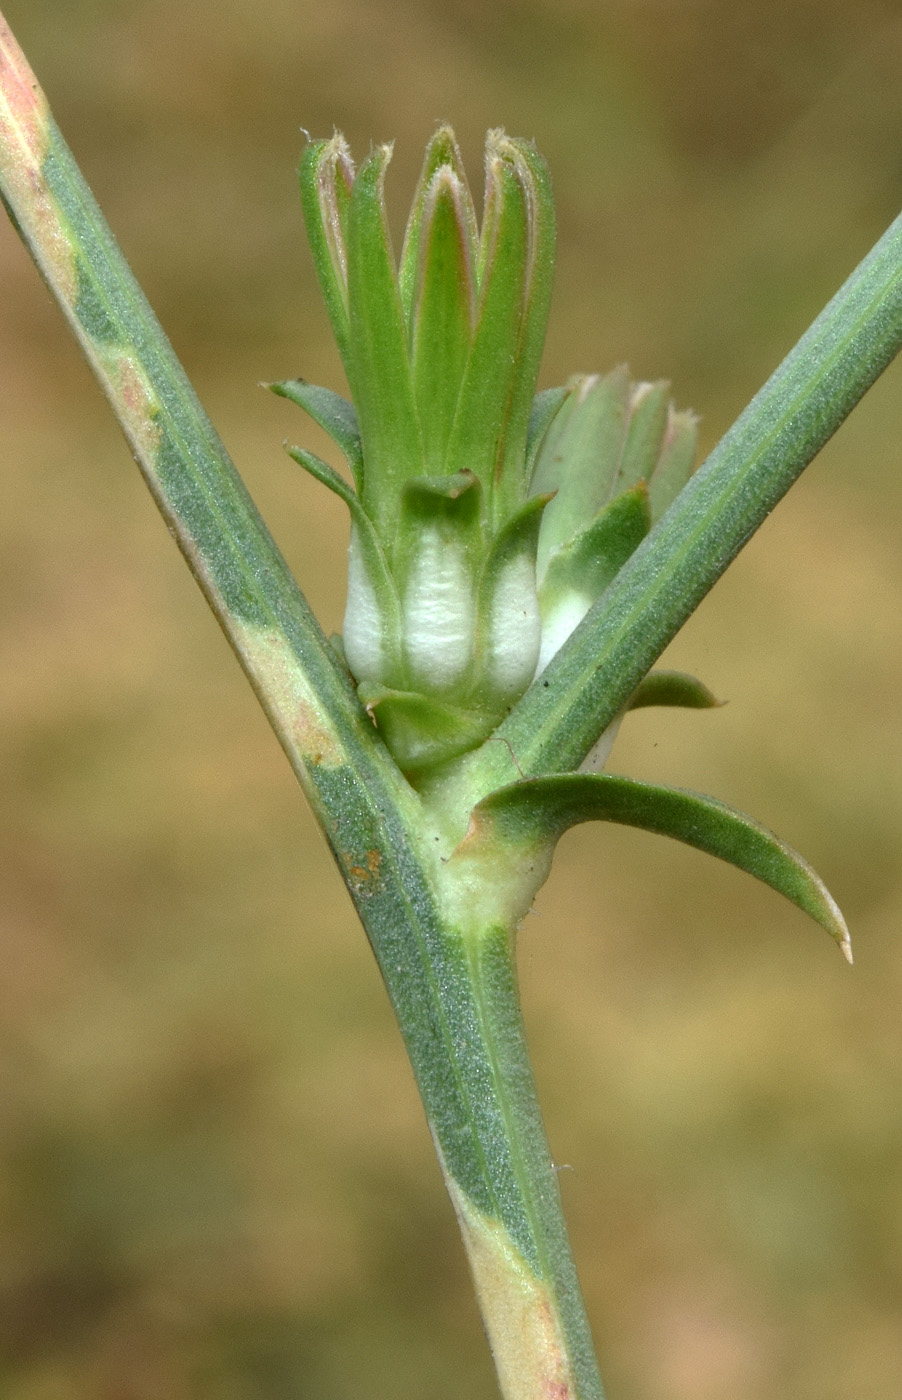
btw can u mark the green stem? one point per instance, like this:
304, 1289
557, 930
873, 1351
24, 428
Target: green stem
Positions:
552, 1347
454, 994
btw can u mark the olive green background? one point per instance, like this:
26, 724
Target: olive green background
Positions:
215, 1178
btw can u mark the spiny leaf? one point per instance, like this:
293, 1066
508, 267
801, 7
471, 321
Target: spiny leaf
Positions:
533, 814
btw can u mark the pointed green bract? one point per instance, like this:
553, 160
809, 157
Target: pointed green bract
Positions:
486, 395
578, 572
590, 559
508, 634
326, 177
544, 409
676, 461
379, 367
326, 475
442, 150
442, 316
607, 436
535, 181
371, 645
421, 732
648, 409
439, 535
531, 814
581, 454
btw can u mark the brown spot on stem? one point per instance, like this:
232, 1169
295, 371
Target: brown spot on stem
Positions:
367, 878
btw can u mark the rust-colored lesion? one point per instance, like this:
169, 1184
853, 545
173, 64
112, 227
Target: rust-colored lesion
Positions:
367, 878
26, 136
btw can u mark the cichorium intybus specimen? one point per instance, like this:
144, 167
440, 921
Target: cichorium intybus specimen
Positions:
517, 562
486, 521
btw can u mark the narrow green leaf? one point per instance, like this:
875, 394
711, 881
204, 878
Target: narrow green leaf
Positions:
333, 414
379, 373
368, 573
673, 688
326, 475
326, 176
442, 312
538, 811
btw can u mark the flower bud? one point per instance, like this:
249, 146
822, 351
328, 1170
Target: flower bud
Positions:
486, 520
615, 455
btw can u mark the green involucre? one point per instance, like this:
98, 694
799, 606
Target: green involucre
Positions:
447, 622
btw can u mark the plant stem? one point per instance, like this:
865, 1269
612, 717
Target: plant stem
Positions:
454, 992
550, 1352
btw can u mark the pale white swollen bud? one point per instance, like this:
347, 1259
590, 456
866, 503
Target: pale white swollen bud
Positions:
439, 611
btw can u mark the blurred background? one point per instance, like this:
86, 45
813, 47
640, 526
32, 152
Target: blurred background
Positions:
215, 1178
